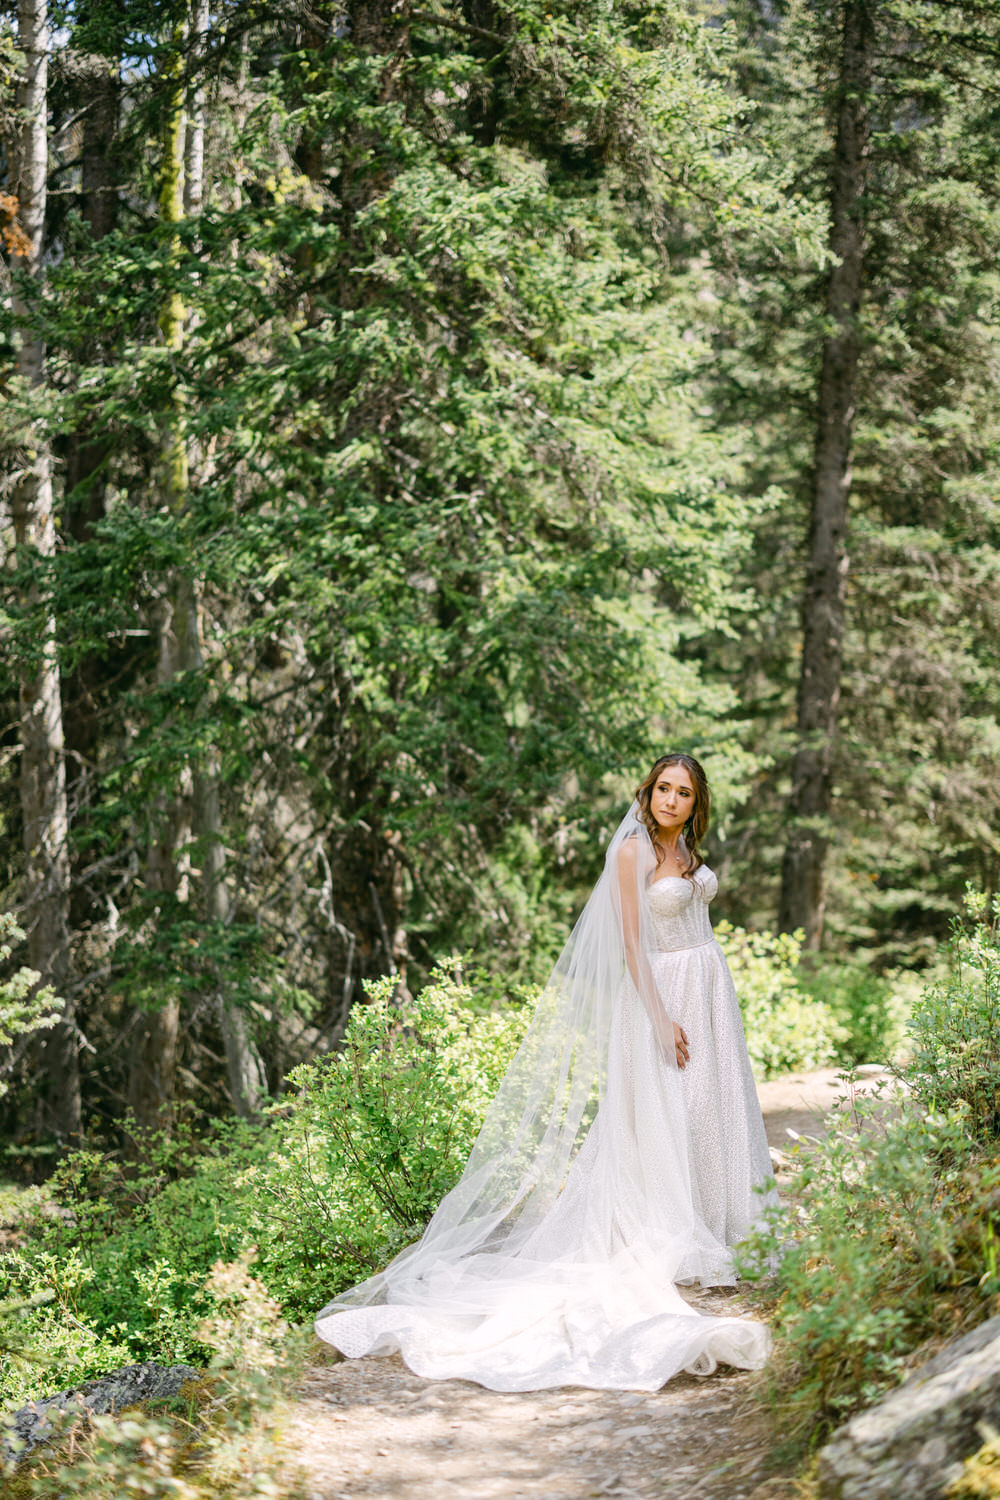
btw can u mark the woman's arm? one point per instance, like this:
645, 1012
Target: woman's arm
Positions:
668, 1033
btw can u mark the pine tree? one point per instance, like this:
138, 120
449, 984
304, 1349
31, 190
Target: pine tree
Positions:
907, 714
43, 769
443, 508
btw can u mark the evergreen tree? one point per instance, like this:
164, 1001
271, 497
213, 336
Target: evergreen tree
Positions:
454, 514
910, 732
43, 807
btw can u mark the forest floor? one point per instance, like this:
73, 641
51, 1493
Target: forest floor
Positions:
369, 1427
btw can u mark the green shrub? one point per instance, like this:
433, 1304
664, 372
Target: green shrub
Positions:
955, 1057
379, 1132
787, 1031
327, 1189
873, 1009
46, 1345
891, 1231
123, 1250
891, 1238
23, 1007
219, 1438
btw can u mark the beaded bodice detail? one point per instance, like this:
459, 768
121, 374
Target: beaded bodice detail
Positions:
678, 910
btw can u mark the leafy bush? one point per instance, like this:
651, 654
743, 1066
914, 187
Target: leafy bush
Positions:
23, 1007
326, 1190
123, 1250
891, 1232
379, 1132
956, 1028
787, 1031
801, 1014
218, 1440
891, 1239
872, 1009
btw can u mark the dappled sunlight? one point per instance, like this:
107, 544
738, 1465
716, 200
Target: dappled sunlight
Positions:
370, 1427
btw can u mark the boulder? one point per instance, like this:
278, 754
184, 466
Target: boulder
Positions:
914, 1442
134, 1385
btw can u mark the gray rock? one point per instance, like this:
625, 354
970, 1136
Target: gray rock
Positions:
135, 1385
914, 1442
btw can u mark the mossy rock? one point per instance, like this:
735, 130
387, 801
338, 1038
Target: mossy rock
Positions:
144, 1385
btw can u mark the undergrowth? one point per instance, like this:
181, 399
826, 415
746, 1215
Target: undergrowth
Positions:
219, 1440
799, 1014
890, 1234
109, 1263
116, 1259
111, 1258
787, 1031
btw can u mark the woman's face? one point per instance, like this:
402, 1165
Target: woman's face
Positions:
672, 798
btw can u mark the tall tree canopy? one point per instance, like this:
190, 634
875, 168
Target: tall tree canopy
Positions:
389, 506
869, 389
432, 399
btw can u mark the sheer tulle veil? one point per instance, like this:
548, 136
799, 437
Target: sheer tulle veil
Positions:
556, 1258
548, 1098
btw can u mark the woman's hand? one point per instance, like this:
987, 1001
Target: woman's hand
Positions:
672, 1038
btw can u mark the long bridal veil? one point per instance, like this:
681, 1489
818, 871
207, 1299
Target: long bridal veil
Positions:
554, 1258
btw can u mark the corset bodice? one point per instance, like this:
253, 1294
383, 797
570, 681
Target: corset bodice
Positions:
678, 910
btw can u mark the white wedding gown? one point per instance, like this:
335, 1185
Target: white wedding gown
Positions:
590, 1297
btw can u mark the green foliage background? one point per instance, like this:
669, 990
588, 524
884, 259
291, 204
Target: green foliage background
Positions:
495, 388
457, 513
495, 381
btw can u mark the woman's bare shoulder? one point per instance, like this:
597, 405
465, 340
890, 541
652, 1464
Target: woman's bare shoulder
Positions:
632, 855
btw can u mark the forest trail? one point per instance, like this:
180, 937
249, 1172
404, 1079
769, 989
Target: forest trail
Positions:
370, 1428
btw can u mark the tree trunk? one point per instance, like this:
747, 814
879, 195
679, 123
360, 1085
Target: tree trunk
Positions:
194, 186
43, 764
244, 1065
99, 199
824, 599
153, 1058
87, 451
194, 814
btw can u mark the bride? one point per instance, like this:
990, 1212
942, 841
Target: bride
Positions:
624, 1154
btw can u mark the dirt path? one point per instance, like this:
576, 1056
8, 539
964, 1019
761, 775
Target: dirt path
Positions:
366, 1428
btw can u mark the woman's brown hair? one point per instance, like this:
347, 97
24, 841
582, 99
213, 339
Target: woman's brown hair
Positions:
697, 824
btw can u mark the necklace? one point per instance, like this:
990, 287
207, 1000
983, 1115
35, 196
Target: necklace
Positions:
674, 855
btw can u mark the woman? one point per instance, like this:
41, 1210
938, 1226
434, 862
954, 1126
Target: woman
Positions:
624, 1153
